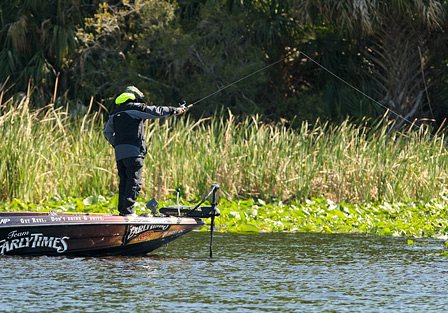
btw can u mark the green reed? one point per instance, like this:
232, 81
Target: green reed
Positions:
48, 153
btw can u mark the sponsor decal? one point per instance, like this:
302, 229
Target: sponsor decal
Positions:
134, 231
173, 232
4, 221
60, 218
32, 220
145, 236
18, 240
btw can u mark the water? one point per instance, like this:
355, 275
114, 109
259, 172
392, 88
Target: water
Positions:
249, 273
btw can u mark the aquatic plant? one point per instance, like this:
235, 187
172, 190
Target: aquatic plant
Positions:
411, 219
49, 153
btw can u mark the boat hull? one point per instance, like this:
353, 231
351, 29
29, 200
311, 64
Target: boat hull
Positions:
33, 234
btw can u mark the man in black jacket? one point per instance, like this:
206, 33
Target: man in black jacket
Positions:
125, 132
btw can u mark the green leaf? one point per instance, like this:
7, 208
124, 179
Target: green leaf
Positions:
248, 228
92, 200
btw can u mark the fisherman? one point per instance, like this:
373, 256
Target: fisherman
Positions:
125, 132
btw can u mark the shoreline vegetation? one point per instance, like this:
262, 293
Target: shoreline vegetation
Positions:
410, 219
321, 177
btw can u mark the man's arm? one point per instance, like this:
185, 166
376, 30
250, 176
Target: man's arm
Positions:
109, 131
159, 111
145, 112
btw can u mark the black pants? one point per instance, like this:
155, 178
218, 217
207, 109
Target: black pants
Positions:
130, 172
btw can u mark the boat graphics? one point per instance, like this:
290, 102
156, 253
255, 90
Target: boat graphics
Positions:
24, 239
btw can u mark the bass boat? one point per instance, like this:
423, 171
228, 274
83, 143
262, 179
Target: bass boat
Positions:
96, 234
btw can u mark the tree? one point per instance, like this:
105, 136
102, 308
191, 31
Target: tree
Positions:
214, 48
399, 36
37, 43
172, 53
113, 45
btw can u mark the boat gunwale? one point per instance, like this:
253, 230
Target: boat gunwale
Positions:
112, 219
95, 224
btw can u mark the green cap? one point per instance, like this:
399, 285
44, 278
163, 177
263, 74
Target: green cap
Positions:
125, 96
135, 91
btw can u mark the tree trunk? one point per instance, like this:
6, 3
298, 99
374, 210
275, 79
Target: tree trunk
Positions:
398, 68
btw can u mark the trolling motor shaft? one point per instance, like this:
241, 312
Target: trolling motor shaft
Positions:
215, 188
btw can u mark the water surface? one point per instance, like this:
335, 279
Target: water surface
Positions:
249, 273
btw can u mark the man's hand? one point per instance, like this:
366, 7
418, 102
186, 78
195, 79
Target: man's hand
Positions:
179, 110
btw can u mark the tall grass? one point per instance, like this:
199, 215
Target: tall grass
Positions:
47, 153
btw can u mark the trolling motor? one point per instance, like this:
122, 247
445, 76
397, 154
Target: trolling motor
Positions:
197, 211
194, 211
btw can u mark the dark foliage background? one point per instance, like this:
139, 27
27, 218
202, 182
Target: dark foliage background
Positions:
67, 51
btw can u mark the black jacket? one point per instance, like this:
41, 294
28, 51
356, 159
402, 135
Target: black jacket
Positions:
125, 131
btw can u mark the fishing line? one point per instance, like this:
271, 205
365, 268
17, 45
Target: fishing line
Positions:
367, 96
318, 64
237, 81
350, 85
283, 59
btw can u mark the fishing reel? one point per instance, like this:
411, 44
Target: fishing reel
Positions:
183, 105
